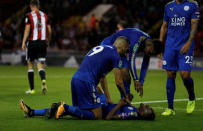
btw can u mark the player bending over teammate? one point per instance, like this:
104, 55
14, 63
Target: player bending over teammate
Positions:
139, 42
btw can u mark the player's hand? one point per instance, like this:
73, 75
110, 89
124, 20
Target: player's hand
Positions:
186, 47
47, 42
138, 87
23, 46
122, 102
127, 101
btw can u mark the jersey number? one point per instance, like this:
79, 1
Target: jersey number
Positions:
96, 50
188, 59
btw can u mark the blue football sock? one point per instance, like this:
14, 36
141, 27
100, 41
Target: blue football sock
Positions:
189, 84
170, 87
127, 87
77, 112
40, 112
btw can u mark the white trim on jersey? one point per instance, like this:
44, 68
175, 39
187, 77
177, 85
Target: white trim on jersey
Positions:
35, 30
43, 26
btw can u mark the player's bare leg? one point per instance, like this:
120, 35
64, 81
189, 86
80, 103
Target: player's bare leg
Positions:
170, 87
40, 67
30, 77
97, 113
189, 85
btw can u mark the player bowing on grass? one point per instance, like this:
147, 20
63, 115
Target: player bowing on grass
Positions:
180, 25
120, 111
38, 30
139, 42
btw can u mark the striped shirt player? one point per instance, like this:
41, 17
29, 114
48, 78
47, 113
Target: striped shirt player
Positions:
179, 25
37, 34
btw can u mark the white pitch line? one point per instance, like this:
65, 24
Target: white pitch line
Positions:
177, 109
163, 101
23, 76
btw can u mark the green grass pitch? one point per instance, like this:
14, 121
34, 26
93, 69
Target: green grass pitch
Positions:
13, 84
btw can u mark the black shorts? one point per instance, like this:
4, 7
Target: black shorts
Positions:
36, 50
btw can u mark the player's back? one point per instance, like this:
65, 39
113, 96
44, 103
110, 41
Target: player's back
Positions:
179, 18
134, 36
97, 63
38, 22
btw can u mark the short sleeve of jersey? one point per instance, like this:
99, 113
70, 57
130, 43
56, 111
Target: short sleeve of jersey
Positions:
195, 12
27, 20
165, 15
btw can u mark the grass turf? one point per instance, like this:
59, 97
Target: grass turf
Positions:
13, 84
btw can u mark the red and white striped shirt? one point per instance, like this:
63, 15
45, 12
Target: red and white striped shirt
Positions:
38, 22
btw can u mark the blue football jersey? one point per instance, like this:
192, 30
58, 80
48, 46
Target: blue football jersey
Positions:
179, 18
97, 63
125, 112
136, 38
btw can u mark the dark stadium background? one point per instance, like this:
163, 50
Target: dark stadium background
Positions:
72, 35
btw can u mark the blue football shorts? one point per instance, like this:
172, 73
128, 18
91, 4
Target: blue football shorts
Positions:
175, 61
84, 94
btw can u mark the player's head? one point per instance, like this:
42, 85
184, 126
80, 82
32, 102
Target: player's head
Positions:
180, 1
153, 47
34, 4
146, 112
122, 45
121, 25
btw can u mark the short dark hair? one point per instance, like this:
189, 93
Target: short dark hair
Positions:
123, 23
34, 3
158, 46
149, 115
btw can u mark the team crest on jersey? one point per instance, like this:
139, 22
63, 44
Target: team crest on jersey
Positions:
98, 100
186, 8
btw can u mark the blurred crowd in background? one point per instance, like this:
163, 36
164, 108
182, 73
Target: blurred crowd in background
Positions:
72, 32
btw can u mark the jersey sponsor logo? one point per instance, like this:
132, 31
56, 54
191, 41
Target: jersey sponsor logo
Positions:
186, 8
178, 21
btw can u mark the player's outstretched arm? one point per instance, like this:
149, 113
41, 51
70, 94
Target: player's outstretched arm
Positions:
163, 31
119, 81
104, 86
143, 72
26, 34
112, 114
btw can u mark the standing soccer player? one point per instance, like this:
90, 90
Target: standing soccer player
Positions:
38, 30
180, 25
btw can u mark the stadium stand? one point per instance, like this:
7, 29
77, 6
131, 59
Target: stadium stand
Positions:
71, 30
